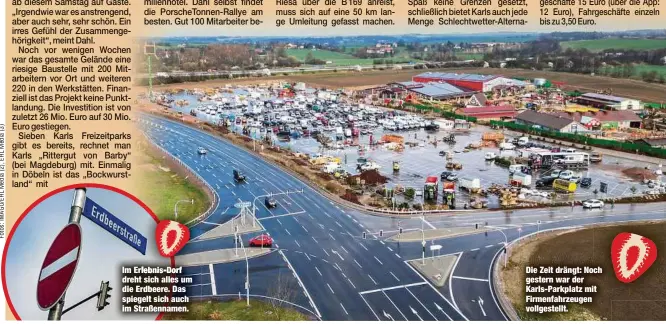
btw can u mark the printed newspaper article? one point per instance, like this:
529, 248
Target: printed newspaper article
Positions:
338, 160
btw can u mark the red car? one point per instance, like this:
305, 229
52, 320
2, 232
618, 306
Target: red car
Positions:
261, 241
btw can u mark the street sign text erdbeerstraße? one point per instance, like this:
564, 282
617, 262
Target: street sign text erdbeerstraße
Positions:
115, 226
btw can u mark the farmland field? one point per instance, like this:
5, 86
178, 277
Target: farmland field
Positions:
597, 45
339, 59
660, 69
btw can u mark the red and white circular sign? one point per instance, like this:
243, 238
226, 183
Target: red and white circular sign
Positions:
59, 266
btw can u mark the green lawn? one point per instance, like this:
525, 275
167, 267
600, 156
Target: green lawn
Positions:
597, 45
161, 188
470, 56
238, 311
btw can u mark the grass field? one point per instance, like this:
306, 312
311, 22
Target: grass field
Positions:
614, 300
161, 188
237, 311
469, 56
597, 45
660, 69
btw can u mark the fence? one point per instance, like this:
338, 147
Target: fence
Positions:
586, 140
216, 198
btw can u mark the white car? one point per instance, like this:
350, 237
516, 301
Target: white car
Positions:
555, 173
566, 175
575, 178
202, 150
593, 203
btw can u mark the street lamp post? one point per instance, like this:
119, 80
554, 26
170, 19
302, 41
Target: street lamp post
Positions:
247, 274
175, 207
506, 244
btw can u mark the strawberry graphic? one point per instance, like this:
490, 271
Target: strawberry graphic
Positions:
632, 255
171, 237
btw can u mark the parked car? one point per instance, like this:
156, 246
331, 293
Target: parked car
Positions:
545, 182
593, 203
449, 176
202, 150
270, 202
566, 175
555, 173
262, 240
575, 178
586, 182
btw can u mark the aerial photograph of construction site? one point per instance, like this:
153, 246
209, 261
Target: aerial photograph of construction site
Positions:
435, 155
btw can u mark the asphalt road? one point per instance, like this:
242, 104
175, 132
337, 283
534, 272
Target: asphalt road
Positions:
322, 264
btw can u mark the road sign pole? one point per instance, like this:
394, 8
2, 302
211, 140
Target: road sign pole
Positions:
55, 313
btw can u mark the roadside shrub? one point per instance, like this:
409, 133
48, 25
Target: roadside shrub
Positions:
409, 193
350, 196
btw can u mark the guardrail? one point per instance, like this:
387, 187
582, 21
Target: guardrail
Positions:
216, 198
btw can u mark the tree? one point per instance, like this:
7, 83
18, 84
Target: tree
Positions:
309, 58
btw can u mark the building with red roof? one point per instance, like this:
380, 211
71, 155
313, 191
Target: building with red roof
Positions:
489, 112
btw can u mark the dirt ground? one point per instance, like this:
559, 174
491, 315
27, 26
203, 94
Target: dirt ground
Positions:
357, 80
643, 299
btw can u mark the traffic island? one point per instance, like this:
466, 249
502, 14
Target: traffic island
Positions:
237, 310
436, 269
220, 256
235, 225
433, 234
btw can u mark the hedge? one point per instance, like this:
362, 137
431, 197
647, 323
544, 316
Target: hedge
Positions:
582, 139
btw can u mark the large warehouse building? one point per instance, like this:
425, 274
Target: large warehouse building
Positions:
475, 82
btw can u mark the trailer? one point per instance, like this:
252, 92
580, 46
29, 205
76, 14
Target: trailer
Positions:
569, 160
449, 193
562, 185
471, 185
521, 180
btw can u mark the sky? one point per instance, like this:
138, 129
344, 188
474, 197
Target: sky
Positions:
100, 259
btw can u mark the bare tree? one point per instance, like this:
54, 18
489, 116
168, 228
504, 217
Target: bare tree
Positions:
283, 289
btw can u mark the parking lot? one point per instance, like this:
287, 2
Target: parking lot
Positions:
423, 160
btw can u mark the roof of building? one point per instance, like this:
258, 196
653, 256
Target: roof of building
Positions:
435, 89
479, 99
602, 115
543, 119
599, 96
457, 76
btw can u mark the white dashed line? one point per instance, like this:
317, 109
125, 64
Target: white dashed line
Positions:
358, 264
378, 261
318, 271
396, 278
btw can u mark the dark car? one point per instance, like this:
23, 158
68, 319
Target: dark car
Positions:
586, 182
270, 202
545, 182
238, 176
445, 175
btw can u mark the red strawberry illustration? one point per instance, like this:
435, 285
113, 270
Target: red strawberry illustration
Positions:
632, 255
171, 237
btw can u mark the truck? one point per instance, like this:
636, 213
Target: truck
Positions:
430, 188
330, 167
562, 185
238, 176
521, 179
522, 141
449, 193
513, 168
471, 184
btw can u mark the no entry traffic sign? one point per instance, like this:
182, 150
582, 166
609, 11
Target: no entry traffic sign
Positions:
59, 266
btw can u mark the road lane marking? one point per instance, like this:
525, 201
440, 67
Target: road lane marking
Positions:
396, 278
453, 299
329, 234
394, 305
326, 252
366, 302
468, 278
396, 254
437, 291
338, 224
428, 223
358, 264
318, 271
363, 246
297, 243
329, 287
477, 249
300, 283
373, 280
410, 292
390, 249
488, 246
212, 279
343, 248
378, 260
305, 229
351, 283
314, 239
287, 231
279, 222
343, 308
